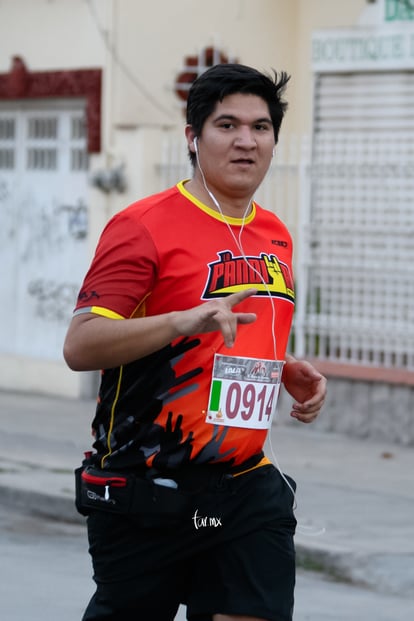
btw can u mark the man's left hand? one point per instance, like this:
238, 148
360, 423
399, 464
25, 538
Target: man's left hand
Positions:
307, 386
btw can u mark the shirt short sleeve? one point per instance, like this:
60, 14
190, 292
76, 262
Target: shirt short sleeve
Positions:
122, 271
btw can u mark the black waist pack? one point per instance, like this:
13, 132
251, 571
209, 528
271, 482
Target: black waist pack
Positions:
114, 492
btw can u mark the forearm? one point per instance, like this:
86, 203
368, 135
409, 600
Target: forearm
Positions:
94, 342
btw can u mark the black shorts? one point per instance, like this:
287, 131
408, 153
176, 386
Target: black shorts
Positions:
232, 553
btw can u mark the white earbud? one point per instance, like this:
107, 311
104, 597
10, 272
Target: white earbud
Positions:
195, 143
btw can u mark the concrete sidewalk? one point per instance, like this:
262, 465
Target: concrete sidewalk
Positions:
355, 499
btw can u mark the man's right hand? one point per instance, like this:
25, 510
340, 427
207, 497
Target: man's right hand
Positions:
214, 315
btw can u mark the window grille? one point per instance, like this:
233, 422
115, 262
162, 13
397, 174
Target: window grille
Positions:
79, 159
41, 159
6, 159
7, 129
359, 269
7, 139
78, 128
42, 128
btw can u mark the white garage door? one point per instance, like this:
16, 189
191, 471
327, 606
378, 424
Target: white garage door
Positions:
43, 222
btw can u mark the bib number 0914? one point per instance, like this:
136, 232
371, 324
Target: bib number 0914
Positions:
243, 391
246, 400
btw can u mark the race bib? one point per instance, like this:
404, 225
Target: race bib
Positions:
244, 392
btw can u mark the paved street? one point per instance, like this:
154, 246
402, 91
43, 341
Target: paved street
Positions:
45, 576
355, 507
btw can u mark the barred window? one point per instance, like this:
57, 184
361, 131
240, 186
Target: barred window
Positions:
6, 159
79, 159
7, 129
42, 128
42, 159
78, 128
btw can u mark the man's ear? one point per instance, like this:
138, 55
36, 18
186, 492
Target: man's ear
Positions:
190, 135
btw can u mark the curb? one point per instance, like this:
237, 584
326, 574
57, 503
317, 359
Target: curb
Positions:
371, 571
37, 503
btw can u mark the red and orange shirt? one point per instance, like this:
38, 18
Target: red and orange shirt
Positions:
170, 252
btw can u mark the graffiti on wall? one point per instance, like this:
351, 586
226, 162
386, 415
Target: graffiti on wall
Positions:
42, 252
77, 219
48, 229
54, 301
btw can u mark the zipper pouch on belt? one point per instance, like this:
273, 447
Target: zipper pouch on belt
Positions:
121, 493
98, 489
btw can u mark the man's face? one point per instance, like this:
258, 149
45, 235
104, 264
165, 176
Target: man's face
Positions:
236, 145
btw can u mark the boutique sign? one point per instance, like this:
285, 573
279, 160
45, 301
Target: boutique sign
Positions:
399, 10
363, 49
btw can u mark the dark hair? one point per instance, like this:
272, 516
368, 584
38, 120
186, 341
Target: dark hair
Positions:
219, 81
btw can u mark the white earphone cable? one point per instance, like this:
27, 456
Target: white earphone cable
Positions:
305, 530
239, 246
